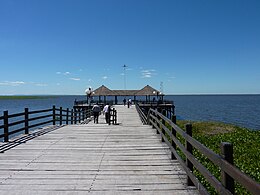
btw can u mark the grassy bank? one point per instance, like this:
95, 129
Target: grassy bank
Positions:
23, 97
246, 145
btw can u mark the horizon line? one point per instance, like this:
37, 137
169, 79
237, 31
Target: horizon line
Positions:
155, 95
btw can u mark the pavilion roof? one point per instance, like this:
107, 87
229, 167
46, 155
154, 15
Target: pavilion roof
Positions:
147, 90
126, 92
104, 91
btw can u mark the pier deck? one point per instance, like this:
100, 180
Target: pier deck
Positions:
127, 158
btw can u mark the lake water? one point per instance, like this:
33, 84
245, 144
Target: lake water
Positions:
241, 110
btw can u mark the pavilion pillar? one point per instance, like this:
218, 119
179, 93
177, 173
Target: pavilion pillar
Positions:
99, 99
116, 100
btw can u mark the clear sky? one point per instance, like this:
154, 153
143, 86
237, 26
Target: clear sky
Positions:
190, 46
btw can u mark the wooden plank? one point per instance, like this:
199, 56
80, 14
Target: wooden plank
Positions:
98, 158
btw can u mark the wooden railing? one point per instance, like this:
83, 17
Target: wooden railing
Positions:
229, 173
142, 115
25, 121
87, 102
154, 102
113, 116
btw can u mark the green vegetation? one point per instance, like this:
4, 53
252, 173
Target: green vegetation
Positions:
246, 146
23, 97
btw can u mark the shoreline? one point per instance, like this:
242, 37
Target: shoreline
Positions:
24, 97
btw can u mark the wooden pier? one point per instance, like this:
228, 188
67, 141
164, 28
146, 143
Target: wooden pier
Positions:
127, 158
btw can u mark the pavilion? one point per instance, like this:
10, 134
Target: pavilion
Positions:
146, 91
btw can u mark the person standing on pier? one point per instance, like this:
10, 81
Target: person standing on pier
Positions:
96, 110
129, 102
106, 111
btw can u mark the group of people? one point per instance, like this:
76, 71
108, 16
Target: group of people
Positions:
96, 111
129, 102
106, 110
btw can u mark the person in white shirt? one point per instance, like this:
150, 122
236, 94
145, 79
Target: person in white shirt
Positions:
106, 111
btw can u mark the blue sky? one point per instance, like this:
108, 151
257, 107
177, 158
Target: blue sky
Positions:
191, 46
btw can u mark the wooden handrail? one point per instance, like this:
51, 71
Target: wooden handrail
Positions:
39, 117
158, 120
141, 114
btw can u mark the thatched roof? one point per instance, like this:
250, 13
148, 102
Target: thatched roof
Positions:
147, 90
126, 92
103, 90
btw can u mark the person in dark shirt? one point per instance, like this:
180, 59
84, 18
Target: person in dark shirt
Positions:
96, 110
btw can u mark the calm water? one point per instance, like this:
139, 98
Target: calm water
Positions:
242, 110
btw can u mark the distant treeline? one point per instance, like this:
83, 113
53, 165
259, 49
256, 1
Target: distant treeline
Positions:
22, 97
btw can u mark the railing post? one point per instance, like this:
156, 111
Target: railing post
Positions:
6, 127
150, 118
173, 117
53, 115
113, 118
60, 115
87, 113
158, 118
163, 123
80, 115
189, 149
26, 121
168, 114
84, 114
75, 116
71, 116
109, 117
67, 116
173, 110
227, 154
